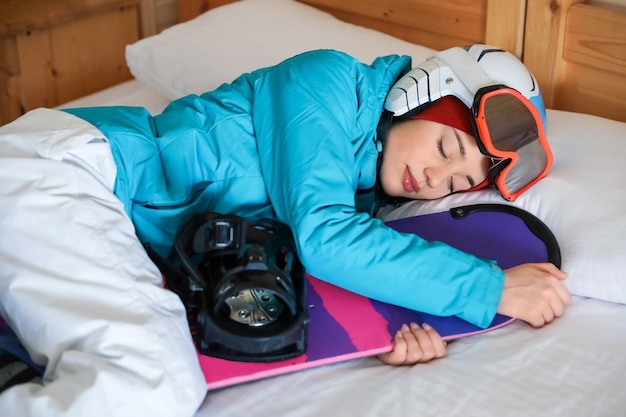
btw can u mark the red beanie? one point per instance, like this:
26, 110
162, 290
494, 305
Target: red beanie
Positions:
450, 111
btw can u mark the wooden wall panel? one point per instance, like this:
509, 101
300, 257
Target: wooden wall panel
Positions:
505, 25
577, 52
10, 101
91, 62
188, 9
543, 43
157, 15
594, 55
148, 18
52, 52
37, 78
438, 24
585, 90
596, 37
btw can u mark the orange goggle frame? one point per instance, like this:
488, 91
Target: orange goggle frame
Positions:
510, 130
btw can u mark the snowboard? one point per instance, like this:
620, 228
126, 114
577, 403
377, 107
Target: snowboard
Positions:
345, 326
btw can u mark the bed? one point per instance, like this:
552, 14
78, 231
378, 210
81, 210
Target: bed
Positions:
577, 50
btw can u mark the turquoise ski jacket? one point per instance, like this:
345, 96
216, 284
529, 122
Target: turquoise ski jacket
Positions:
293, 142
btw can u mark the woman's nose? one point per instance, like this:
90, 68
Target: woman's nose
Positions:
435, 177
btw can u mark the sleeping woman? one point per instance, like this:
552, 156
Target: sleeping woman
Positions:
303, 142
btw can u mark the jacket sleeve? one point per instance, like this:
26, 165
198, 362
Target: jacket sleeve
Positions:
307, 115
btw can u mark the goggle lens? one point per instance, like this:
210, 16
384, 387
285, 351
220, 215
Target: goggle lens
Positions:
510, 130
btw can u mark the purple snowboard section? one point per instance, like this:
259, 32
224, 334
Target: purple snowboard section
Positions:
493, 235
344, 325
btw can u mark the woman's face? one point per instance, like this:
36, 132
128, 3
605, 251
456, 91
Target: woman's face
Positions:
428, 160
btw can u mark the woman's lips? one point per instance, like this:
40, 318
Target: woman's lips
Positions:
409, 182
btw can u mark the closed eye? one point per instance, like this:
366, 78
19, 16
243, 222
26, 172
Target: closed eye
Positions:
445, 156
440, 148
470, 180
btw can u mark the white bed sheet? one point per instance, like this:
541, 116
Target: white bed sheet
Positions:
129, 93
574, 367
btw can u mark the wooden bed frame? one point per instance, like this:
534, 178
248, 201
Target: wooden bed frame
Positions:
576, 49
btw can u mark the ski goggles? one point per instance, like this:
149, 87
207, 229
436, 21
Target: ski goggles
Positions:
511, 132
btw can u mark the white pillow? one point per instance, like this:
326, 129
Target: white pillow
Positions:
582, 200
216, 47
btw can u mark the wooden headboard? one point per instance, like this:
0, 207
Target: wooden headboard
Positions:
576, 49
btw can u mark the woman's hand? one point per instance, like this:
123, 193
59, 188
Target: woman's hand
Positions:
414, 344
534, 293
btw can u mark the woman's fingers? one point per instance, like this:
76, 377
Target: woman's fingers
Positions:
414, 344
534, 293
398, 355
439, 345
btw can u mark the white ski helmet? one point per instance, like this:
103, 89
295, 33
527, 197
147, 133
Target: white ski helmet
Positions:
505, 103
